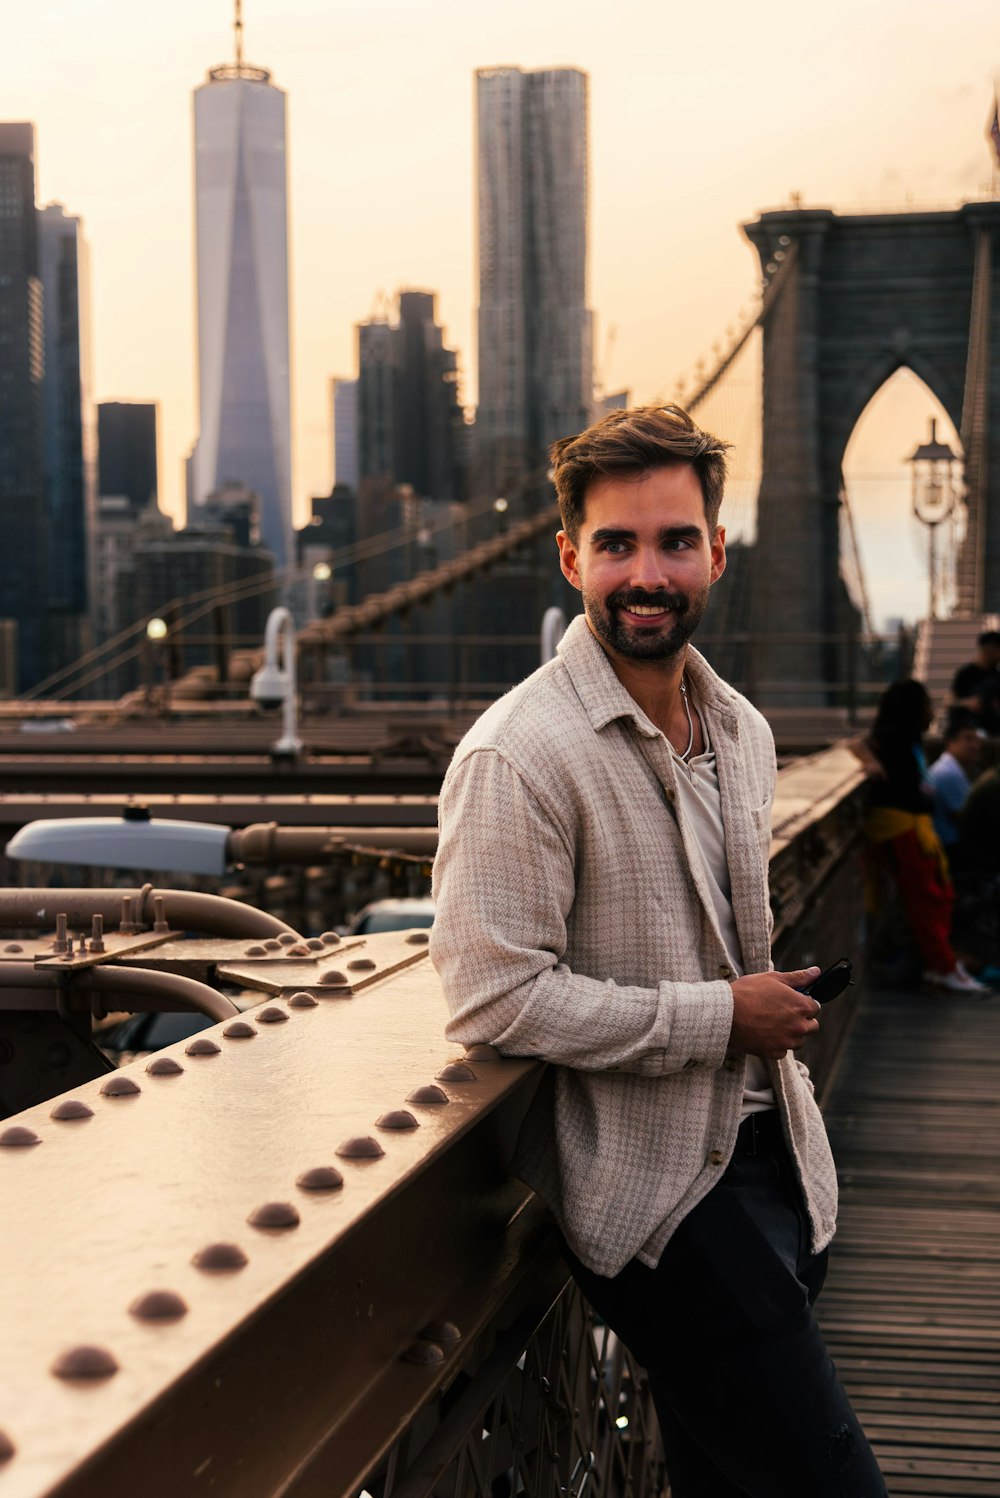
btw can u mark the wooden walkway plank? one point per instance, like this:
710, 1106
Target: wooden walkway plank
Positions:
911, 1311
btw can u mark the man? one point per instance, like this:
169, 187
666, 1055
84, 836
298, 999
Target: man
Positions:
976, 685
601, 887
950, 776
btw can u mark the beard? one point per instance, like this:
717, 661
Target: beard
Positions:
637, 643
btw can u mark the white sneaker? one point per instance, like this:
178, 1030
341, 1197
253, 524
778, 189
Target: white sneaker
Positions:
959, 980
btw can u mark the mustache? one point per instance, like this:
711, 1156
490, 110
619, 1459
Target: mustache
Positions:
677, 603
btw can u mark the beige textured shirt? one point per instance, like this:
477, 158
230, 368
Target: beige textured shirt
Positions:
574, 923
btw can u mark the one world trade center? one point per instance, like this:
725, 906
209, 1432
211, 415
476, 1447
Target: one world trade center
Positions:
242, 261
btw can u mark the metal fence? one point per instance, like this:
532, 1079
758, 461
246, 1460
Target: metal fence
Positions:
552, 1409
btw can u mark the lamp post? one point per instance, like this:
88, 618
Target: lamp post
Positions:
553, 629
156, 632
275, 685
936, 490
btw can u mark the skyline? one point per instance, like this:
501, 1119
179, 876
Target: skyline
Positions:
888, 115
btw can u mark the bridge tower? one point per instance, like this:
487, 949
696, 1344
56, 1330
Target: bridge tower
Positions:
861, 296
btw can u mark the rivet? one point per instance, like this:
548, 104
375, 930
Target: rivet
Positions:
329, 938
457, 1071
362, 964
59, 1054
239, 1030
7, 1447
482, 1053
13, 946
119, 1086
321, 1178
201, 1046
334, 975
158, 1305
59, 944
71, 1107
17, 1137
69, 945
272, 945
424, 1354
398, 1118
159, 921
287, 939
418, 938
83, 945
314, 944
270, 1015
255, 951
299, 951
220, 1256
127, 925
362, 1147
441, 1331
428, 1094
302, 1001
85, 1362
164, 1066
274, 1215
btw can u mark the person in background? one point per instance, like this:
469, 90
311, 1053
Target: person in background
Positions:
900, 830
977, 851
976, 685
950, 776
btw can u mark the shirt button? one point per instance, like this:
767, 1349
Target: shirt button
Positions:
690, 1065
731, 1064
670, 793
715, 1157
725, 971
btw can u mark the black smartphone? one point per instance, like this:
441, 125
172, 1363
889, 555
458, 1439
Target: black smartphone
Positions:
831, 982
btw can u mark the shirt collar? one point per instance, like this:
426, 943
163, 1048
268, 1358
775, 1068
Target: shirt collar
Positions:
605, 699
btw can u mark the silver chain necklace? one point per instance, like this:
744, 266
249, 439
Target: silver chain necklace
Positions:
687, 709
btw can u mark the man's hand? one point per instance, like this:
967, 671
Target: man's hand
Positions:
769, 1017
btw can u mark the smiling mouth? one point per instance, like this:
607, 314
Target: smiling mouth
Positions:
646, 613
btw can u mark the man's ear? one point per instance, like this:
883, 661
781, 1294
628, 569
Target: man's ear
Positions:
567, 560
718, 554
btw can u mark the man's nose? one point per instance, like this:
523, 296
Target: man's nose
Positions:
650, 569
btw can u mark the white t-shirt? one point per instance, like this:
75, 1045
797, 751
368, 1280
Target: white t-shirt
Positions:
698, 792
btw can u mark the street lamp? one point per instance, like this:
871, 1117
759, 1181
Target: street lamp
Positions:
937, 488
275, 685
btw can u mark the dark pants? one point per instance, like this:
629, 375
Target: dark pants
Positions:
747, 1396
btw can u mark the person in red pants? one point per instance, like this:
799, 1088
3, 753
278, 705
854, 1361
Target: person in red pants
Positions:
900, 830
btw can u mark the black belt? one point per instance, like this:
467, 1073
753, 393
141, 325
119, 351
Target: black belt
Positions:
759, 1133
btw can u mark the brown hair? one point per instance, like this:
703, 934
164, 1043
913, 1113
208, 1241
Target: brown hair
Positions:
628, 444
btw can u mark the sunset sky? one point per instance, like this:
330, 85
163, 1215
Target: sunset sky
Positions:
700, 118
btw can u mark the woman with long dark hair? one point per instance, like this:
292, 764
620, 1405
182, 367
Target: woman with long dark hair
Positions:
900, 829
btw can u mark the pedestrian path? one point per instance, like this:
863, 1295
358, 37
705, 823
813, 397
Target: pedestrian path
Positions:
911, 1311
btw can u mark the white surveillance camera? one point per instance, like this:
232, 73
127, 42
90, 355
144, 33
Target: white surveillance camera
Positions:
270, 687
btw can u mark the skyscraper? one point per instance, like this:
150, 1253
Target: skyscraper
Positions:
126, 445
535, 359
22, 366
344, 395
409, 421
68, 429
242, 259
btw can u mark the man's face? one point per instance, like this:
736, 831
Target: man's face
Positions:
966, 747
644, 561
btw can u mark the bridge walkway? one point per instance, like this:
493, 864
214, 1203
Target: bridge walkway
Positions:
911, 1311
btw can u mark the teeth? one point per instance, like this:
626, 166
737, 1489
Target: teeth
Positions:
642, 609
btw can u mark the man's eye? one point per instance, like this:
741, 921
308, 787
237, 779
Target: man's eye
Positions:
614, 547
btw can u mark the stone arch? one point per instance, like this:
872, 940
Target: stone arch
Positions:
861, 296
